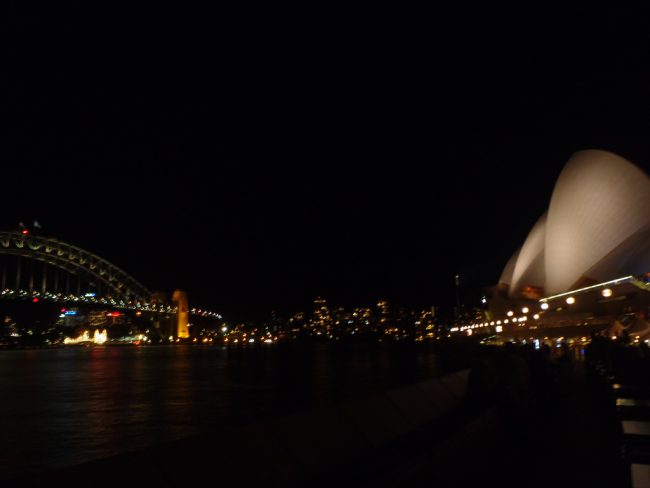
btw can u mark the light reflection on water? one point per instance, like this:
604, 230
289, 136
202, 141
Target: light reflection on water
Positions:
64, 406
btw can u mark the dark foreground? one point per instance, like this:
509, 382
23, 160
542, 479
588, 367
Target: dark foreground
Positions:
65, 406
531, 423
515, 418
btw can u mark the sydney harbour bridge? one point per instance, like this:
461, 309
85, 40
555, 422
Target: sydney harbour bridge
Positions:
39, 268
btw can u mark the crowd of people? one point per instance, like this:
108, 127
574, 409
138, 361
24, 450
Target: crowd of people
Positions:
516, 374
626, 360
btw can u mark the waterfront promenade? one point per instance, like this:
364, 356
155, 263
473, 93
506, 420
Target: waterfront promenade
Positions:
565, 434
520, 422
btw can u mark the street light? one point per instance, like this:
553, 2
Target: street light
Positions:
457, 283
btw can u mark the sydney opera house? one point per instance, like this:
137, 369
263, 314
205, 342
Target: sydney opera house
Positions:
587, 259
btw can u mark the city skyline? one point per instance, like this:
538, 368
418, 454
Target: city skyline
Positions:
398, 269
352, 157
305, 245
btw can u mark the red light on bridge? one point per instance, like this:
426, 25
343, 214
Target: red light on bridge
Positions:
113, 314
35, 300
63, 310
24, 232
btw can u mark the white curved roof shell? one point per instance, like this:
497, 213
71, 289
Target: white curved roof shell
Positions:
529, 268
596, 226
506, 274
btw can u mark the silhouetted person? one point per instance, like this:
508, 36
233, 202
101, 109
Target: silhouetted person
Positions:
542, 373
483, 382
516, 376
644, 350
625, 337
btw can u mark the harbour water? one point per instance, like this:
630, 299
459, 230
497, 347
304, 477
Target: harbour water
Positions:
68, 405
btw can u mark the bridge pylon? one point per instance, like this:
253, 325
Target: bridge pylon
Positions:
179, 299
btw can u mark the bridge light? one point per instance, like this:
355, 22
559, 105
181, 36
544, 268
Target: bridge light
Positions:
24, 232
35, 300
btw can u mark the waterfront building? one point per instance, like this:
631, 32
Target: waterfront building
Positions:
587, 259
322, 320
596, 228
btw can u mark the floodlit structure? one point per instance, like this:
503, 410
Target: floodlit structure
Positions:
585, 265
597, 228
183, 316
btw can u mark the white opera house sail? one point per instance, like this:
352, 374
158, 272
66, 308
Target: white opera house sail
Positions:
597, 228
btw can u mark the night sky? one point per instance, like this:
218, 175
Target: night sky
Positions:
259, 159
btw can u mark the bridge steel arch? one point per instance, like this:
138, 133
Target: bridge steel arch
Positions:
75, 261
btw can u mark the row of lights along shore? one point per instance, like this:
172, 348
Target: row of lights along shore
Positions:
570, 300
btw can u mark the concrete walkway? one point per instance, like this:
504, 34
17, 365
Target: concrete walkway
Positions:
569, 437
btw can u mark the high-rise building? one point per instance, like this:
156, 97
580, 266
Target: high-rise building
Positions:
322, 320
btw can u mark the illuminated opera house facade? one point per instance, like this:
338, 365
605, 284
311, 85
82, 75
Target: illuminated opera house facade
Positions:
587, 258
